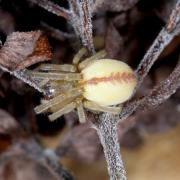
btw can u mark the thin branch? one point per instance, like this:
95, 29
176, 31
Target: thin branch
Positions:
107, 132
157, 95
81, 19
163, 39
53, 8
56, 33
25, 77
86, 24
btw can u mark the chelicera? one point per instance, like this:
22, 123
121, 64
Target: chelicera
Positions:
96, 83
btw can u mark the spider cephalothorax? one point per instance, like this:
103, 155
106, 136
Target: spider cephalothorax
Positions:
95, 83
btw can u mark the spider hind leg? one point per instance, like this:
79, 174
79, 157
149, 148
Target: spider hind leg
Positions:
66, 109
57, 67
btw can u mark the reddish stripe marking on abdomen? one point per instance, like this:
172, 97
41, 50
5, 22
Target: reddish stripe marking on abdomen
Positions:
124, 77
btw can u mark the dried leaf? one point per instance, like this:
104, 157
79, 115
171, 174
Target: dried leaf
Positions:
23, 49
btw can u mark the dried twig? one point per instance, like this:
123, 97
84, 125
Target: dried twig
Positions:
25, 77
107, 132
79, 15
53, 8
57, 34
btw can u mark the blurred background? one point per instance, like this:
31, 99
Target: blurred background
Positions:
149, 140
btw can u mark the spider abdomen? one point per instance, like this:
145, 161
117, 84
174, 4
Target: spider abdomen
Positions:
108, 82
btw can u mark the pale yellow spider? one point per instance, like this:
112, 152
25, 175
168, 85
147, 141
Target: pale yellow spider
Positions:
95, 83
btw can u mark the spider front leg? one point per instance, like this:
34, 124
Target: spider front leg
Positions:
96, 107
57, 67
56, 75
99, 55
79, 55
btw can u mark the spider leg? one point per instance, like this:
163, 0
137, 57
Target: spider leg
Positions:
56, 75
79, 55
95, 107
99, 55
81, 113
43, 82
73, 93
66, 109
57, 67
61, 86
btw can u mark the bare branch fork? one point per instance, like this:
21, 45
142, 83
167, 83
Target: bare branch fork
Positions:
106, 124
79, 16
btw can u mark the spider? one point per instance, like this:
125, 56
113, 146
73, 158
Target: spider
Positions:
97, 84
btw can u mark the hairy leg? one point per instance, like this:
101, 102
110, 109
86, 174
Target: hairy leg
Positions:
57, 67
71, 94
79, 55
61, 86
66, 109
99, 55
81, 112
